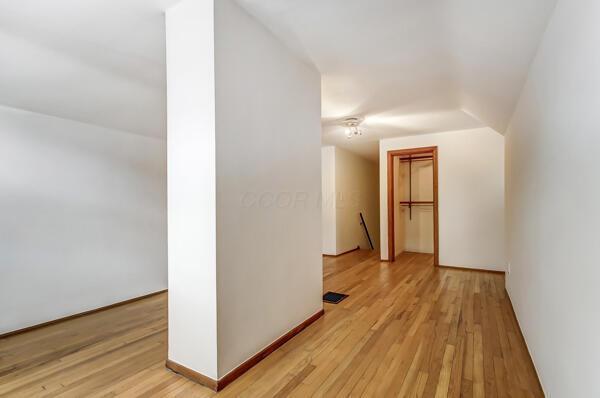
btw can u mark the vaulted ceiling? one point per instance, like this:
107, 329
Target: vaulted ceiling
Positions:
95, 61
406, 66
411, 66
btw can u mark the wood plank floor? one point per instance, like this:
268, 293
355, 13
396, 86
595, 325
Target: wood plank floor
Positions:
407, 329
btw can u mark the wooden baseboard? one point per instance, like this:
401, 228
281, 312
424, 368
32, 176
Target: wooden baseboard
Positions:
471, 269
524, 341
193, 375
341, 254
80, 314
218, 385
384, 260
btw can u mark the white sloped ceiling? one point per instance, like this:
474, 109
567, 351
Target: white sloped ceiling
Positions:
411, 66
407, 66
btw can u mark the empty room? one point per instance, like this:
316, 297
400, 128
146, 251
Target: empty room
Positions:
319, 198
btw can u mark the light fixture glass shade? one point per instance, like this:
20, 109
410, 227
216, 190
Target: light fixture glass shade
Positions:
351, 127
353, 131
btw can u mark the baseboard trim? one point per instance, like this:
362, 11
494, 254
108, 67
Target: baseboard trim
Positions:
385, 260
193, 375
472, 269
218, 385
341, 254
512, 308
80, 314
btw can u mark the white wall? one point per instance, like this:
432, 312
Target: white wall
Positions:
192, 190
82, 217
328, 200
268, 118
471, 195
357, 189
552, 155
350, 185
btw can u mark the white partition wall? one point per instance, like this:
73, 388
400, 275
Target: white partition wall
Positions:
268, 107
244, 175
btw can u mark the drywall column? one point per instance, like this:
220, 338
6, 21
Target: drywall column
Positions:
269, 269
191, 174
244, 144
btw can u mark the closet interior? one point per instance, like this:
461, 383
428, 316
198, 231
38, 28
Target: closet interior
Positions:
414, 203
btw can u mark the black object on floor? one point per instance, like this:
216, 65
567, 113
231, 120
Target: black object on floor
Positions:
364, 224
333, 298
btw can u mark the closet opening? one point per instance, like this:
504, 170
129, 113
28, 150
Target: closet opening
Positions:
412, 186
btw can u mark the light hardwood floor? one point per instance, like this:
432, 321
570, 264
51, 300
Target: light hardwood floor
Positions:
407, 329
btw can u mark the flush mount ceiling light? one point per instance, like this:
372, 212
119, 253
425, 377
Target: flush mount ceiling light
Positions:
352, 126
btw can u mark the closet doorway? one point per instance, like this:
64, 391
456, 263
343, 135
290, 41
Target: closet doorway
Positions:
412, 185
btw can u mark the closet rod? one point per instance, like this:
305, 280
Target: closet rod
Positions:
404, 160
410, 202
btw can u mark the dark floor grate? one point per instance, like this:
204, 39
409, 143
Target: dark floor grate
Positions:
333, 298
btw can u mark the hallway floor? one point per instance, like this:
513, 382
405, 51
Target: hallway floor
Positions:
407, 329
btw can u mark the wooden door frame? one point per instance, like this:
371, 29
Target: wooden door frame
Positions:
390, 202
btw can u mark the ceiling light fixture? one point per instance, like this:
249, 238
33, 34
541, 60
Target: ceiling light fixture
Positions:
352, 126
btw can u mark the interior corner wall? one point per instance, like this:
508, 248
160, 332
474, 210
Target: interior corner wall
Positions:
268, 120
328, 199
357, 190
471, 195
552, 155
83, 217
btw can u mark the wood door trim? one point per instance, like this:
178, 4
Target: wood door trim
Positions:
390, 195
